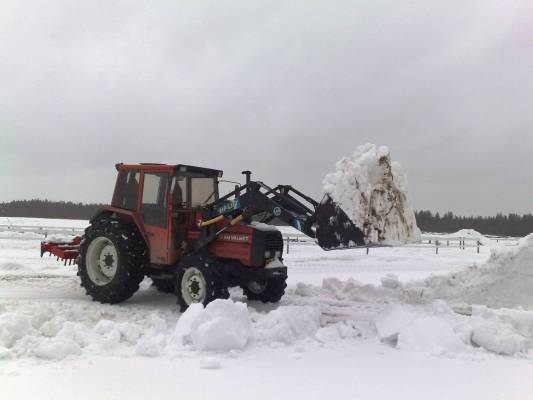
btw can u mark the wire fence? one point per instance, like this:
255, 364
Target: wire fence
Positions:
435, 242
45, 231
427, 242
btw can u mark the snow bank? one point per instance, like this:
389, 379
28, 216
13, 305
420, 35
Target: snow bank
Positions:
54, 330
505, 280
438, 330
471, 234
373, 192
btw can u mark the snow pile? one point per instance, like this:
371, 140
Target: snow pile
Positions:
373, 192
54, 331
434, 331
505, 280
221, 326
471, 234
433, 327
440, 331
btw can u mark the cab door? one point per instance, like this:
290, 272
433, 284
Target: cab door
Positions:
154, 212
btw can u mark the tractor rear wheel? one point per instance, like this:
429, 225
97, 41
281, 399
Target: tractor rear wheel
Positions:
111, 258
267, 291
199, 280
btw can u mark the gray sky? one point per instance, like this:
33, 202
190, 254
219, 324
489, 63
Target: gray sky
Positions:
284, 88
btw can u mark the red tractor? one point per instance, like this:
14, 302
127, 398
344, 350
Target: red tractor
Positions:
169, 223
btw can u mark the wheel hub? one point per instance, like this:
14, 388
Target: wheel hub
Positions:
257, 287
193, 286
101, 261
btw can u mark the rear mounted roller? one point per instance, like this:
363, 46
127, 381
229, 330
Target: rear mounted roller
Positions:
65, 251
334, 230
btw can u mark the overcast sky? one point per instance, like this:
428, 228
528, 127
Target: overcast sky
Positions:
283, 88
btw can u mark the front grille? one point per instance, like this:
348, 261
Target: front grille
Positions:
274, 241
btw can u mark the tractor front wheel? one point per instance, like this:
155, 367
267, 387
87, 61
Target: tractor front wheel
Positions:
111, 258
267, 291
199, 280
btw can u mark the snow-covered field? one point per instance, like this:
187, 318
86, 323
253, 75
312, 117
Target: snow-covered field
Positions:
351, 326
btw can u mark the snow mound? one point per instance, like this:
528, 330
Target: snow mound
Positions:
505, 280
373, 192
436, 330
287, 324
221, 326
430, 334
471, 234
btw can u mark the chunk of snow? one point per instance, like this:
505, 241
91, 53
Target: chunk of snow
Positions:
221, 326
373, 192
391, 321
151, 345
390, 281
5, 353
498, 338
12, 328
287, 324
57, 349
431, 334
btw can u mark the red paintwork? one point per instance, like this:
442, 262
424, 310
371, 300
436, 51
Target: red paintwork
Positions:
165, 249
63, 250
235, 243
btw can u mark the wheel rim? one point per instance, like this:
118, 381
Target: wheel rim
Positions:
101, 261
193, 286
257, 287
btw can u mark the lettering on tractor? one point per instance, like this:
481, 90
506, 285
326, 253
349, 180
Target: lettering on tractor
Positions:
169, 223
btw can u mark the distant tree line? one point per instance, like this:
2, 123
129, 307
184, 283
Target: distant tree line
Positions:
500, 225
48, 209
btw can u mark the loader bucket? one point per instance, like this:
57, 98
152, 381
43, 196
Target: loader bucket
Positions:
334, 230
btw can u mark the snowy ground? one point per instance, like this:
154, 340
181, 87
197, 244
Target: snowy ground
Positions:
340, 332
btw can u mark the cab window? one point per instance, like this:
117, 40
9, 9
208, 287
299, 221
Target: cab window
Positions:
153, 204
127, 190
203, 191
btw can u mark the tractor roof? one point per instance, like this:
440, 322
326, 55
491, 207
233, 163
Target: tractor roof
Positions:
178, 168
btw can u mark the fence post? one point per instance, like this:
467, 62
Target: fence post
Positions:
287, 245
367, 250
478, 247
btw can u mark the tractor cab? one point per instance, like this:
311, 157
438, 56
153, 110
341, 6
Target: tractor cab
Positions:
162, 200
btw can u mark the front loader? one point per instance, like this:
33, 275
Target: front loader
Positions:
169, 223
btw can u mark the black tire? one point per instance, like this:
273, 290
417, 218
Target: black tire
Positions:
127, 258
200, 279
268, 291
164, 285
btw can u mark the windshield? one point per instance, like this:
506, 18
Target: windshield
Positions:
203, 191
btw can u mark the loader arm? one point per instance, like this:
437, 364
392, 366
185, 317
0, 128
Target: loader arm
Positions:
325, 221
